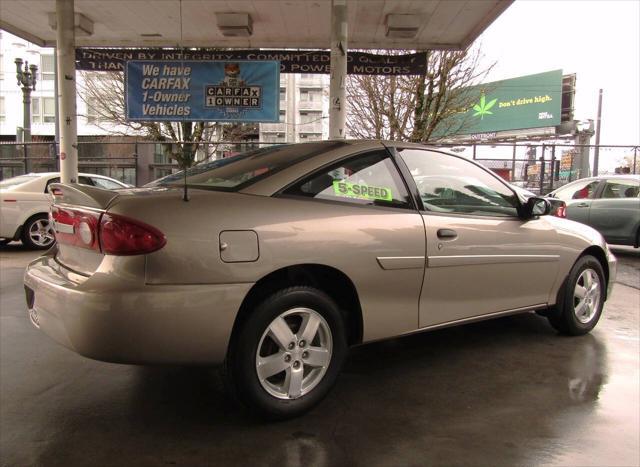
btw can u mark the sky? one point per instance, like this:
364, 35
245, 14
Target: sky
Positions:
599, 41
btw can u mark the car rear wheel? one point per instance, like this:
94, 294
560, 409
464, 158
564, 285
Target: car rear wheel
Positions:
581, 299
288, 353
37, 233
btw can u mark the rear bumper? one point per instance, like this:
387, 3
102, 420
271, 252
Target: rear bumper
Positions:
115, 318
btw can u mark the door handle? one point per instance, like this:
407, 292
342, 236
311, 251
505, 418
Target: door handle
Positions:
582, 205
447, 234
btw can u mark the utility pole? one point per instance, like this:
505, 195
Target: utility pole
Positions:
596, 154
583, 136
27, 80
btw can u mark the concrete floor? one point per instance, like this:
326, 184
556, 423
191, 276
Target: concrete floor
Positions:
508, 391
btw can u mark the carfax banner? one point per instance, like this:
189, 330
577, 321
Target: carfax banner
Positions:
222, 91
291, 61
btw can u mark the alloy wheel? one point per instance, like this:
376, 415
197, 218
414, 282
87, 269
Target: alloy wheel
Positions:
41, 233
294, 353
587, 295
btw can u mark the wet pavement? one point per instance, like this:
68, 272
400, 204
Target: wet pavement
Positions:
502, 392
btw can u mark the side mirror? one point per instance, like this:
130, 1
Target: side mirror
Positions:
536, 207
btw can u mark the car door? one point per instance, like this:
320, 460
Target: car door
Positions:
481, 257
578, 197
364, 223
615, 211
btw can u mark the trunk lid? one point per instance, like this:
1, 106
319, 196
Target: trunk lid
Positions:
76, 201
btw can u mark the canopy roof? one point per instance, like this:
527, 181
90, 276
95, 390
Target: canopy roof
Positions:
441, 24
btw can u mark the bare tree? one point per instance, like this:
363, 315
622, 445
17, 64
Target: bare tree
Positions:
415, 108
103, 92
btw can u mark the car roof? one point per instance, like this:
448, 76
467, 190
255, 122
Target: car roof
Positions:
57, 174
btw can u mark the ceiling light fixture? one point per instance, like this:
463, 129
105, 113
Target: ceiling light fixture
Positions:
402, 26
235, 24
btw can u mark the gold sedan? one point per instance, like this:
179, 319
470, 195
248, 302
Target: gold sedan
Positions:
284, 257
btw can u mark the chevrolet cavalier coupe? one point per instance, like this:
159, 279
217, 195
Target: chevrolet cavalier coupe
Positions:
284, 257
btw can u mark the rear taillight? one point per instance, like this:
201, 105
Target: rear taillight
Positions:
110, 234
561, 211
77, 227
123, 236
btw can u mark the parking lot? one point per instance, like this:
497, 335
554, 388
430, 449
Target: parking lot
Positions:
507, 391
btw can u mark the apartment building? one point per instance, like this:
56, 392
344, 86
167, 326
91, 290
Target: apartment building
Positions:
304, 110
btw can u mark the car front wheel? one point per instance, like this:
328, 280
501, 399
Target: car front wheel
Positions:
288, 353
581, 299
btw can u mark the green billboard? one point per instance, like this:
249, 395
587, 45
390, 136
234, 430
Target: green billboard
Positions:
531, 101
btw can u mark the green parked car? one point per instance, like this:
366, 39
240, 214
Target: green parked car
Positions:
608, 203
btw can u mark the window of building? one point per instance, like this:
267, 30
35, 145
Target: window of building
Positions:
2, 116
282, 116
36, 110
161, 155
93, 114
48, 110
47, 68
310, 95
450, 184
283, 94
1, 66
310, 137
367, 179
310, 117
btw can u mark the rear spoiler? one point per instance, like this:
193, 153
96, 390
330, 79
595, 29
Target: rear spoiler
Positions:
81, 195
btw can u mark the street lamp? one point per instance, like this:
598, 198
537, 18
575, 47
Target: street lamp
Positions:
26, 79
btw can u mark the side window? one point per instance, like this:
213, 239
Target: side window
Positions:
84, 180
451, 184
49, 182
580, 190
621, 189
367, 179
106, 184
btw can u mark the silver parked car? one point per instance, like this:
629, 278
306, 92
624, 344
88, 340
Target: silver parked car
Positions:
284, 257
608, 203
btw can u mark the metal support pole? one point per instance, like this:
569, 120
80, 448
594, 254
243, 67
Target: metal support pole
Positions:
513, 163
554, 168
26, 114
25, 161
135, 155
542, 168
56, 107
337, 85
66, 76
635, 158
596, 153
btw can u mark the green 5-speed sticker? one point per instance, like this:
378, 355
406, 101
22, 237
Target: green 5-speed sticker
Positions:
355, 190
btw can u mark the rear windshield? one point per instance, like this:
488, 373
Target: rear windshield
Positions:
19, 180
236, 172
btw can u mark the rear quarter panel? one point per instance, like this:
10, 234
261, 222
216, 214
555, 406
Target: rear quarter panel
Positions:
290, 232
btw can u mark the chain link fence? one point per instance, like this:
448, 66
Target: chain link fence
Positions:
538, 167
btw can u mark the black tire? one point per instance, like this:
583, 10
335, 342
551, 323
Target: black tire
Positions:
27, 241
241, 367
563, 316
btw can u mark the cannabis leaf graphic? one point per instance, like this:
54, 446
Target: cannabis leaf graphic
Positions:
483, 107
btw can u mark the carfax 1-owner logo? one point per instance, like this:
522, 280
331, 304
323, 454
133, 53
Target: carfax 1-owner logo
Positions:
233, 94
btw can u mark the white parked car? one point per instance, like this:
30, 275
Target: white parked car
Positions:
24, 206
